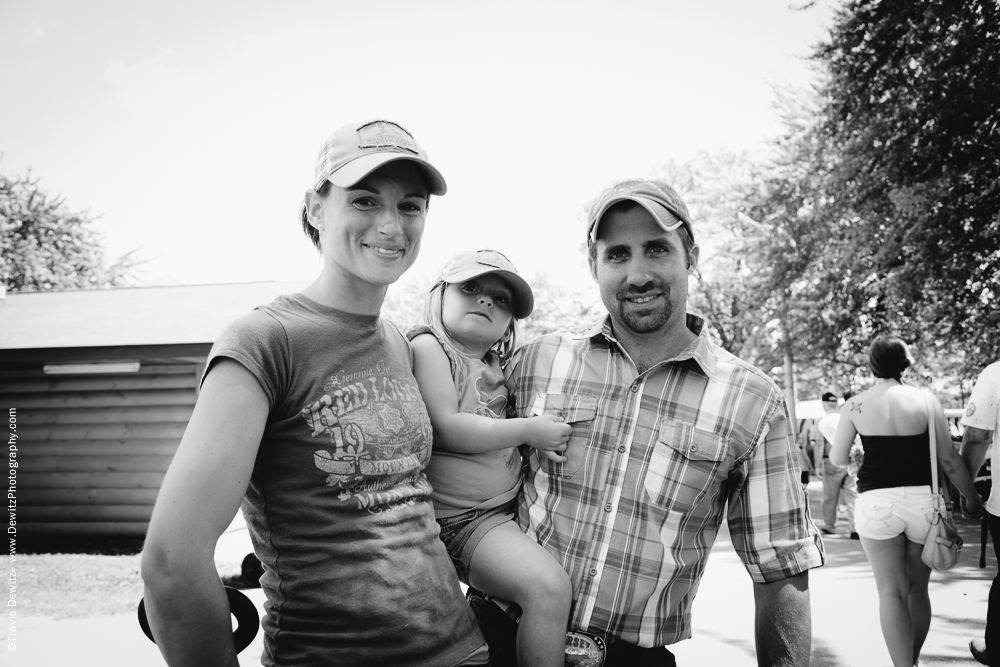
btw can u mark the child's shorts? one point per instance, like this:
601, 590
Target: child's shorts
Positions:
881, 514
461, 533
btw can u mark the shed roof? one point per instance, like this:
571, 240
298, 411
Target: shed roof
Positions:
173, 315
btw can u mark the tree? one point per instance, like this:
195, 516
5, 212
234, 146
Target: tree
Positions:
726, 291
559, 308
913, 109
44, 246
793, 250
753, 222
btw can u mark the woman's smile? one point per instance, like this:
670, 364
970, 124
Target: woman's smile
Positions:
383, 251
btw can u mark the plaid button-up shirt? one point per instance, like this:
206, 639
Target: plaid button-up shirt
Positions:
654, 462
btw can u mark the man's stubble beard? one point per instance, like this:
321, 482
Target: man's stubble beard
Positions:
650, 322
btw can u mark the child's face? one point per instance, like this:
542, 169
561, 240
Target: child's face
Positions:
478, 311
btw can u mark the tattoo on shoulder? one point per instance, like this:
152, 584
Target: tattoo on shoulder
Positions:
856, 407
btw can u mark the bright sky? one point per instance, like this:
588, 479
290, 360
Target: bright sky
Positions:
192, 128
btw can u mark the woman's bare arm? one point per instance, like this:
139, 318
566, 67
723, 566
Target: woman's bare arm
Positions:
185, 601
950, 461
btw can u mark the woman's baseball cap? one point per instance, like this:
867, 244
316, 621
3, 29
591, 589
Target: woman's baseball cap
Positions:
658, 198
473, 263
358, 149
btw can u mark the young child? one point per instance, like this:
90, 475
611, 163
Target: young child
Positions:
467, 335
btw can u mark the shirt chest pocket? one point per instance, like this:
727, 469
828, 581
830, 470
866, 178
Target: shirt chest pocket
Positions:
685, 463
577, 411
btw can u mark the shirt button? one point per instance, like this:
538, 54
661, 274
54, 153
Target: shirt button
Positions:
635, 388
593, 571
621, 448
607, 508
560, 414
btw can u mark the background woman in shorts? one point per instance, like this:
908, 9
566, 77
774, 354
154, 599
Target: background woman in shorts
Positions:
310, 415
894, 494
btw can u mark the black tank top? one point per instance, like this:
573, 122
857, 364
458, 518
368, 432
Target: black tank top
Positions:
895, 460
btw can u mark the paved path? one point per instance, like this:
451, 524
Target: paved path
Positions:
845, 622
846, 631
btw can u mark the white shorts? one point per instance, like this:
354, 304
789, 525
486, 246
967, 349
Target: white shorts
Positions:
881, 514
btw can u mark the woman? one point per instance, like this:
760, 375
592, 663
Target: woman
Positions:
895, 501
310, 415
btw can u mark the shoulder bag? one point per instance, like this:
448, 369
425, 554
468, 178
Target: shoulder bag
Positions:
943, 544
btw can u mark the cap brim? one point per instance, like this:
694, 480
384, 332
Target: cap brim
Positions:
524, 300
357, 169
666, 220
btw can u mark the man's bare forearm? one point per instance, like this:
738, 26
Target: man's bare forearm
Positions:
783, 624
975, 444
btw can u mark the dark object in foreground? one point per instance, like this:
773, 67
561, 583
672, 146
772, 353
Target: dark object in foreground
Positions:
980, 656
499, 630
240, 606
252, 570
583, 649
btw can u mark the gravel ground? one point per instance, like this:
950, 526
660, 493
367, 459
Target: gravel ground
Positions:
82, 578
78, 585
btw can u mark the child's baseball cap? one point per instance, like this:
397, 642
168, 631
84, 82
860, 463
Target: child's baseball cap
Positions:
472, 263
658, 198
358, 149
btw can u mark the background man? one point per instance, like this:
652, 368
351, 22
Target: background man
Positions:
669, 433
838, 483
980, 421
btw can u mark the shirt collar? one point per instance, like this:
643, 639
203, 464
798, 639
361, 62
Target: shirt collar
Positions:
702, 349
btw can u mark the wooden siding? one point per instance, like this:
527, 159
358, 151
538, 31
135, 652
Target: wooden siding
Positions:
93, 449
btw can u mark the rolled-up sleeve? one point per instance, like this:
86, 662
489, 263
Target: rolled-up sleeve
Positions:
769, 520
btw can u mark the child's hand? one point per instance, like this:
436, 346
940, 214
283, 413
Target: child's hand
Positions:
556, 457
548, 435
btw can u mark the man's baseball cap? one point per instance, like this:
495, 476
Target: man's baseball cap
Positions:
473, 263
661, 200
829, 397
358, 149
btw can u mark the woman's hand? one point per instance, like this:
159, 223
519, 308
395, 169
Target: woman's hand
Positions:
548, 435
971, 507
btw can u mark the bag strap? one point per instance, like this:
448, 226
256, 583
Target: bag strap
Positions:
983, 536
932, 437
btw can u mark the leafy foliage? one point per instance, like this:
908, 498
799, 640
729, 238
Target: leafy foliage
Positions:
880, 206
559, 308
913, 110
755, 222
43, 246
727, 291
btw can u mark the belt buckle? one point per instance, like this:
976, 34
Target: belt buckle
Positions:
585, 649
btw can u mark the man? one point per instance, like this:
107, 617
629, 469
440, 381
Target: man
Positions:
668, 432
980, 421
838, 483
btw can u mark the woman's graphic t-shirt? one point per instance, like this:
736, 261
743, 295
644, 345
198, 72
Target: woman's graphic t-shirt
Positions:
337, 505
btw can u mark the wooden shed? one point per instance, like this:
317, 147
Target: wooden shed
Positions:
100, 385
